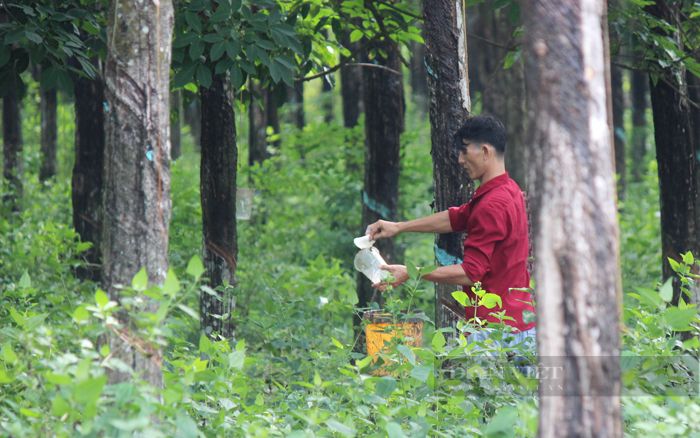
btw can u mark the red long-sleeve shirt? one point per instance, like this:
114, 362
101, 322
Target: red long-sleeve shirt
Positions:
496, 247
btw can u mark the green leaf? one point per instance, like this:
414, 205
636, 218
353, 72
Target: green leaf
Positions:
33, 37
4, 378
29, 413
490, 301
407, 353
25, 282
140, 281
171, 286
8, 355
393, 430
421, 373
674, 264
196, 51
666, 291
59, 406
184, 75
213, 38
356, 35
341, 428
461, 297
438, 341
217, 51
337, 343
688, 258
679, 319
233, 48
101, 298
189, 311
58, 379
80, 314
185, 427
195, 268
193, 21
502, 424
89, 390
236, 360
385, 386
237, 77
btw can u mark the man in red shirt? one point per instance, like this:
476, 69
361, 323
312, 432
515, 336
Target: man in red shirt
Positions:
496, 247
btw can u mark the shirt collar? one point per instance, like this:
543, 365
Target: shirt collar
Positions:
491, 184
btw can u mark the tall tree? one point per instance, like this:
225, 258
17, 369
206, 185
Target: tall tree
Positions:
272, 99
675, 153
49, 134
384, 109
573, 198
218, 192
618, 113
257, 124
350, 85
638, 97
12, 146
503, 83
295, 98
87, 181
137, 165
448, 82
327, 99
193, 118
418, 75
175, 124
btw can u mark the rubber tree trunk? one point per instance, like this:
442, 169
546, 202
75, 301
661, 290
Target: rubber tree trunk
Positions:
295, 98
638, 90
503, 92
257, 125
193, 118
137, 168
677, 161
49, 134
218, 191
175, 125
445, 38
351, 86
12, 148
573, 198
618, 106
86, 183
272, 114
419, 76
384, 108
327, 99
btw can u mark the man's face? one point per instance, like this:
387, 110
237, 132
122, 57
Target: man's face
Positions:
471, 158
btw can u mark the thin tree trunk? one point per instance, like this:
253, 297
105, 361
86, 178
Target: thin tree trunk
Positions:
175, 125
573, 198
87, 171
257, 125
272, 114
677, 162
49, 135
504, 93
351, 86
297, 94
419, 76
384, 109
445, 38
137, 168
327, 99
618, 110
218, 191
12, 149
639, 89
193, 117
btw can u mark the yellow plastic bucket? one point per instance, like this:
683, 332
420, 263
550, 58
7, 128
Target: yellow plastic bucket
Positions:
382, 328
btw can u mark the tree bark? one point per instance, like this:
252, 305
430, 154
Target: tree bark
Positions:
87, 171
49, 134
384, 108
272, 113
218, 191
327, 99
193, 117
419, 76
638, 90
350, 86
295, 98
445, 38
503, 92
677, 162
618, 110
257, 125
175, 125
137, 167
12, 148
573, 198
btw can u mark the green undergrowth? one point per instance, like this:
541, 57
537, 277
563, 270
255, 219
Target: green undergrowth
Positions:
291, 369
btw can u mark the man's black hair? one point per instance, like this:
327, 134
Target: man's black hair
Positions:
481, 129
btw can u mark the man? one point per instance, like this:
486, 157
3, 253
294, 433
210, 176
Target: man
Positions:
496, 247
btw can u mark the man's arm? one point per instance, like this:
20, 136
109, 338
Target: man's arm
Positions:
452, 274
435, 223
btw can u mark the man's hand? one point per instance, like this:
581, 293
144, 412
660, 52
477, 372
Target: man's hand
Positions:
399, 272
382, 230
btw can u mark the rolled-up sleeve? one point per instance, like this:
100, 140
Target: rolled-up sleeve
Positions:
458, 217
485, 231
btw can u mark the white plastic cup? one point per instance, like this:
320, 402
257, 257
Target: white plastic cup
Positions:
363, 242
368, 261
